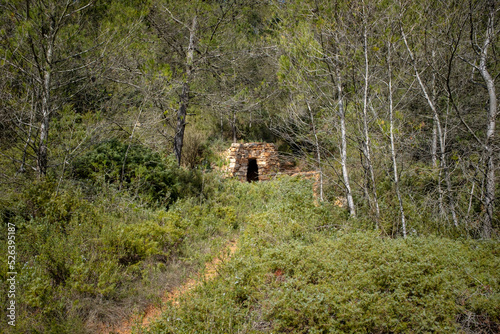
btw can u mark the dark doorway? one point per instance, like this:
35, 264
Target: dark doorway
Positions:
252, 171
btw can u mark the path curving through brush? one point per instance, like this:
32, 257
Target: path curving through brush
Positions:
153, 312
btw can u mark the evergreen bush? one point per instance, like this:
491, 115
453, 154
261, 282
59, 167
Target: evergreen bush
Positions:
138, 169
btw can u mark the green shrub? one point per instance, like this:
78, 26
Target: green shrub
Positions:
72, 253
300, 269
134, 243
138, 169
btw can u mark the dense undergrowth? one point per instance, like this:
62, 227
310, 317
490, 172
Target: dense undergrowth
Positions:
90, 252
95, 247
302, 268
96, 94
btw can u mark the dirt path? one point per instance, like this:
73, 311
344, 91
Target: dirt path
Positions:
153, 313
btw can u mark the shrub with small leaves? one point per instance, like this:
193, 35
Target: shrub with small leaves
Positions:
139, 170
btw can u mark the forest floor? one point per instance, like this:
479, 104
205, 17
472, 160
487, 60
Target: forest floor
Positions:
154, 311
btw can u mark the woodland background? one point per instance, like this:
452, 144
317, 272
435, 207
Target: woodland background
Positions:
114, 114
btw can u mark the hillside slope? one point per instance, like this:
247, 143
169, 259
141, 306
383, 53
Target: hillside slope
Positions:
302, 268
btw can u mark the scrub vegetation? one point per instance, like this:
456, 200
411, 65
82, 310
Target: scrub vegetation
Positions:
114, 119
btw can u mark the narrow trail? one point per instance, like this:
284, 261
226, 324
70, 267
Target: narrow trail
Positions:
153, 312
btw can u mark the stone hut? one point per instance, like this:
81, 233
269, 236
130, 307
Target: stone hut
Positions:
253, 161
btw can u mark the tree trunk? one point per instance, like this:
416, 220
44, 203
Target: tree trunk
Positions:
343, 145
181, 122
366, 144
28, 139
434, 145
393, 149
336, 79
233, 127
184, 97
441, 135
434, 126
42, 159
490, 127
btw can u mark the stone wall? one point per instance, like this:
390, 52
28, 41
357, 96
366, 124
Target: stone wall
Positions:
264, 153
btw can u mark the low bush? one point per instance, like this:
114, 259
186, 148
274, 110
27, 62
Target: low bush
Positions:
139, 170
79, 258
299, 269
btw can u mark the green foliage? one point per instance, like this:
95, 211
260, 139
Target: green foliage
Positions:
139, 169
77, 251
93, 242
299, 269
134, 243
73, 254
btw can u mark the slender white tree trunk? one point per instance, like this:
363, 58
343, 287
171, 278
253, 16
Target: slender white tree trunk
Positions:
233, 126
441, 135
393, 148
28, 139
367, 144
42, 159
490, 127
343, 140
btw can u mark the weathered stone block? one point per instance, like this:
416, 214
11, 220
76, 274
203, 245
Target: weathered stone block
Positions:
241, 155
